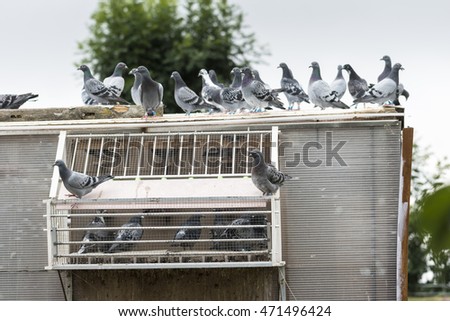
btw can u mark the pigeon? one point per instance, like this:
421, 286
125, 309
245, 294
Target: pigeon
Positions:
92, 235
87, 100
188, 233
136, 89
210, 91
115, 82
357, 86
292, 89
151, 92
320, 92
338, 84
401, 91
77, 183
186, 98
97, 90
128, 234
219, 220
387, 68
385, 90
8, 101
256, 94
235, 231
213, 76
265, 176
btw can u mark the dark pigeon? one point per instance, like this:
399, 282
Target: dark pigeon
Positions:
191, 230
8, 101
151, 92
292, 89
92, 235
133, 232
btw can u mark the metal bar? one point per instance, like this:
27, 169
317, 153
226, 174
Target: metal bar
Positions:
207, 154
167, 155
114, 156
175, 227
100, 156
59, 155
153, 156
233, 153
181, 154
171, 134
164, 214
74, 154
193, 155
247, 151
140, 157
127, 155
87, 155
220, 154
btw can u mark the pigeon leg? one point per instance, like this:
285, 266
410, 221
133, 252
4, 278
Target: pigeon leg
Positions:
70, 195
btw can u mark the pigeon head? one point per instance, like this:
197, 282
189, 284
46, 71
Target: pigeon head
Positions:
203, 73
175, 74
386, 58
398, 66
235, 70
143, 70
282, 65
83, 68
121, 66
339, 67
314, 64
257, 157
133, 71
348, 68
59, 163
99, 219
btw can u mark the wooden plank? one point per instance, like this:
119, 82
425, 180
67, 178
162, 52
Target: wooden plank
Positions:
407, 151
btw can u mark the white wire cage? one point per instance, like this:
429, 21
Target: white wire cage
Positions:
167, 180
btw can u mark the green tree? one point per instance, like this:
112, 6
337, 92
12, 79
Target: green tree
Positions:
420, 250
168, 35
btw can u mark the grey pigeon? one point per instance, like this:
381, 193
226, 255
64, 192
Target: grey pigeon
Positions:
136, 88
8, 101
265, 176
93, 235
223, 220
97, 90
151, 92
210, 91
237, 230
186, 98
115, 82
339, 84
214, 79
77, 183
191, 230
256, 93
387, 68
401, 91
357, 86
385, 90
292, 89
133, 232
320, 92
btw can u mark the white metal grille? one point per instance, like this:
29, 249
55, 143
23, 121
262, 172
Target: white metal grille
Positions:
166, 179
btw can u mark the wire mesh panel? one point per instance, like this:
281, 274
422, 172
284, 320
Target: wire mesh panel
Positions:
161, 233
166, 155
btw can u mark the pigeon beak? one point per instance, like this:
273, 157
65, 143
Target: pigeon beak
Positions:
54, 164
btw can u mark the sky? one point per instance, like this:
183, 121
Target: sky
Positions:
39, 49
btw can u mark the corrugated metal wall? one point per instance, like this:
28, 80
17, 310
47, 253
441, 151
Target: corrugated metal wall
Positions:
340, 220
25, 172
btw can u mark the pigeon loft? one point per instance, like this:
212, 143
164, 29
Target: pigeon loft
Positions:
336, 231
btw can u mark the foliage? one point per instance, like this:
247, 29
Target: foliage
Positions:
164, 36
421, 251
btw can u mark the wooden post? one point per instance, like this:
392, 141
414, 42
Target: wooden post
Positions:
407, 151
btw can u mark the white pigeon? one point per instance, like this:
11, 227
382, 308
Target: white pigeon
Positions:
115, 82
338, 84
320, 92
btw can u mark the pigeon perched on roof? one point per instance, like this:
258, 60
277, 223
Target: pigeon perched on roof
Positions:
186, 98
151, 92
256, 93
265, 176
357, 86
8, 101
77, 183
292, 89
187, 232
136, 88
210, 91
97, 90
236, 231
93, 235
339, 84
131, 231
401, 91
385, 90
320, 92
115, 82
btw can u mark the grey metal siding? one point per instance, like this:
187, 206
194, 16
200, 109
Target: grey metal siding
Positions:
25, 173
340, 221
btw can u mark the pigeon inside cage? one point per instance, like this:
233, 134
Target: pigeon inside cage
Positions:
165, 235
